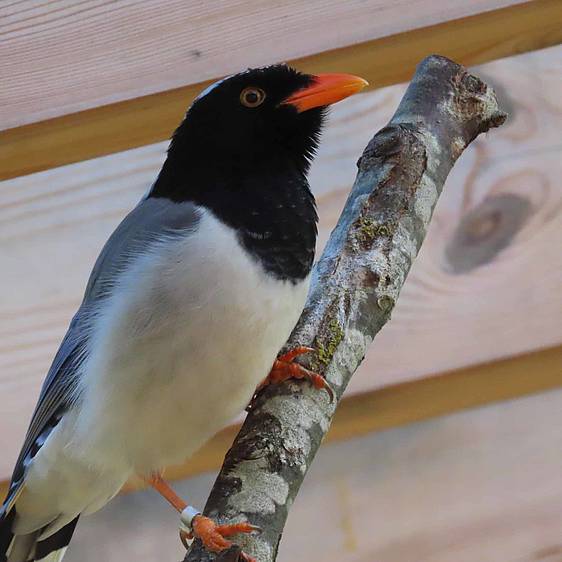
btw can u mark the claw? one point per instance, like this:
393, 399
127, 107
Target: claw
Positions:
185, 537
284, 368
247, 557
320, 383
213, 536
235, 528
295, 352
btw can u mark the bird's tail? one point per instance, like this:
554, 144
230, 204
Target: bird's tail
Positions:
28, 548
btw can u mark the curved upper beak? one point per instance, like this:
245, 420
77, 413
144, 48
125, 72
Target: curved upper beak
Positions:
325, 90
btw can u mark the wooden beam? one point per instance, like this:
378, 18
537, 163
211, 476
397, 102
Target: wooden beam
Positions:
64, 57
479, 485
148, 119
411, 402
406, 403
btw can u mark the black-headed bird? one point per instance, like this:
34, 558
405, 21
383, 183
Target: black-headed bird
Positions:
185, 310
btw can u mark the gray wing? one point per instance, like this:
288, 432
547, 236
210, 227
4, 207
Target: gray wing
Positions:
150, 221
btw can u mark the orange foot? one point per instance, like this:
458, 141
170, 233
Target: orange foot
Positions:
285, 368
213, 536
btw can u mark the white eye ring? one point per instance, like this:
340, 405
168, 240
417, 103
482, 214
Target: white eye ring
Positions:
252, 96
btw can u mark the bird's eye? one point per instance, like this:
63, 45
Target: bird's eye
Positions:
252, 97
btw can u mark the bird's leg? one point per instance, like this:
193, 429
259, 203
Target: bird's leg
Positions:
195, 525
285, 368
157, 482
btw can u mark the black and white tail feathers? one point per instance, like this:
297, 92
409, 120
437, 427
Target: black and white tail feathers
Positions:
26, 548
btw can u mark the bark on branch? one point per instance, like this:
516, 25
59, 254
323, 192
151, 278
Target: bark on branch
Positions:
355, 286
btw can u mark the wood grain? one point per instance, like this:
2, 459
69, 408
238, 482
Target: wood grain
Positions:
481, 485
65, 56
402, 404
477, 485
511, 303
378, 48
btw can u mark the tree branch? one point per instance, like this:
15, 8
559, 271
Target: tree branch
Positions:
354, 288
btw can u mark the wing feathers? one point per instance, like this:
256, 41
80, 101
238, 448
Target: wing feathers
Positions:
150, 222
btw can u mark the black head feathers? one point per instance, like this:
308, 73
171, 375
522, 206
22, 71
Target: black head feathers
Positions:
243, 119
243, 151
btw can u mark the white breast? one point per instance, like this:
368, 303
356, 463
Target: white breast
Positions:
178, 349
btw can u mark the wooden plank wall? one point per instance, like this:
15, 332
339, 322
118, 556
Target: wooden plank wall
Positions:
93, 67
486, 284
63, 56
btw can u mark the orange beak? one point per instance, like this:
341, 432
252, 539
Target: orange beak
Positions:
325, 90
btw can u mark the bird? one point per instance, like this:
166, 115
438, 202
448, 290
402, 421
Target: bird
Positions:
184, 313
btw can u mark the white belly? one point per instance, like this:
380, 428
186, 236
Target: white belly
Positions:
178, 351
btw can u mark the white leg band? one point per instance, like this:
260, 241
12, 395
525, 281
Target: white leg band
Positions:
187, 515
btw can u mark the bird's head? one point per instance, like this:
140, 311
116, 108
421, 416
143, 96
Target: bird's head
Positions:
260, 116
